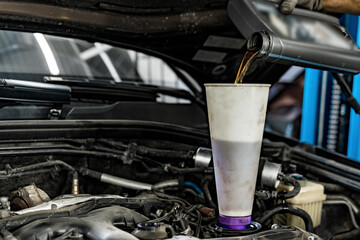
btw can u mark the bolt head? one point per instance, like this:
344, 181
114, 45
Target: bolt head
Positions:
275, 226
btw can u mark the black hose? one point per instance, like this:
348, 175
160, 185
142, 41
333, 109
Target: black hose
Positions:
354, 234
149, 152
325, 163
37, 166
107, 150
29, 173
97, 154
207, 194
292, 210
263, 194
293, 182
177, 170
39, 147
198, 227
72, 153
29, 168
161, 153
332, 187
350, 183
64, 152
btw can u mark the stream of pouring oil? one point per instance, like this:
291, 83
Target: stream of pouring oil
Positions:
249, 57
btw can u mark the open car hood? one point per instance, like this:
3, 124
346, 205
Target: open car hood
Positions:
197, 36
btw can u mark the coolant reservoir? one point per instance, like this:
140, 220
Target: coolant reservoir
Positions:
310, 199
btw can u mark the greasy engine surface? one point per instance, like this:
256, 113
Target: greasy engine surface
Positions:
49, 193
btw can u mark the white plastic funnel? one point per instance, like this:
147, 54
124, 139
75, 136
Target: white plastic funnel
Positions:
236, 118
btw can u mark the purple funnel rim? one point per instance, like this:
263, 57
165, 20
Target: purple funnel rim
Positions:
235, 223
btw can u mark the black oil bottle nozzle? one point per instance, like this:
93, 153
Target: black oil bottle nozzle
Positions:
259, 41
303, 38
274, 49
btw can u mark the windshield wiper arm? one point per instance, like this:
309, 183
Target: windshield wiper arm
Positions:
19, 91
122, 90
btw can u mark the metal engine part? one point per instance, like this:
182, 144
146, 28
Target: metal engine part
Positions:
26, 197
150, 231
97, 224
65, 201
203, 157
269, 175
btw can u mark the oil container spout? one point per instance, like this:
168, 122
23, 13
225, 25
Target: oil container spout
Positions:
259, 41
303, 38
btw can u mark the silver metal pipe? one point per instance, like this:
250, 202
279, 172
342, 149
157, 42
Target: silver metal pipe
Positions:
123, 182
127, 183
352, 215
345, 198
165, 184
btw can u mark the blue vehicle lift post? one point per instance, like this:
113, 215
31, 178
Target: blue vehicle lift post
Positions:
353, 150
312, 95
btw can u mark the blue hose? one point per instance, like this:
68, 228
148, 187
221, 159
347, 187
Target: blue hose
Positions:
194, 186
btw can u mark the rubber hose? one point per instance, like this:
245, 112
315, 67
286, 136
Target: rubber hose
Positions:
292, 210
332, 187
207, 194
292, 193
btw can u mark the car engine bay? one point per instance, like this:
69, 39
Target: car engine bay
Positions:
98, 142
156, 182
